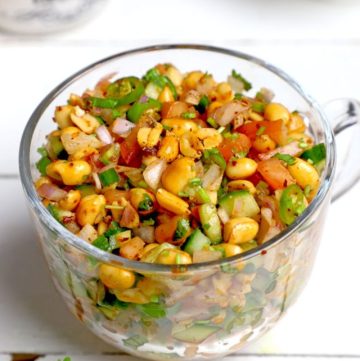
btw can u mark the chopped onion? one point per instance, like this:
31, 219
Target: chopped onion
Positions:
291, 149
146, 233
226, 113
88, 233
122, 126
74, 142
267, 94
96, 180
103, 134
152, 173
143, 99
224, 217
212, 178
192, 97
51, 192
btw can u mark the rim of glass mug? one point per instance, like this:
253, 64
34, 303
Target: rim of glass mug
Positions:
72, 239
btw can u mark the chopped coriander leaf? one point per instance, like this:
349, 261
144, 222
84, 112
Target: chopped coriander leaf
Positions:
195, 182
203, 104
238, 96
113, 228
238, 76
146, 204
287, 158
183, 226
258, 107
214, 156
212, 122
102, 243
188, 115
261, 130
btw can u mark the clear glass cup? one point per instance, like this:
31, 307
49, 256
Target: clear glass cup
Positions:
210, 309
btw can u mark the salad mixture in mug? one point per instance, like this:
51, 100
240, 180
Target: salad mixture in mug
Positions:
176, 169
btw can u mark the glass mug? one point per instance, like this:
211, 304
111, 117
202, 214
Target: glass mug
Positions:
205, 310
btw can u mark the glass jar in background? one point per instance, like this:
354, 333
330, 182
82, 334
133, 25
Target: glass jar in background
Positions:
46, 16
199, 311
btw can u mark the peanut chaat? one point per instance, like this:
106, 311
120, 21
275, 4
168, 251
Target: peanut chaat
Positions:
176, 168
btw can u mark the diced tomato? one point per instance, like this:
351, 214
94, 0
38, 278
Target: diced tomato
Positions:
130, 151
255, 178
195, 213
275, 129
275, 173
229, 147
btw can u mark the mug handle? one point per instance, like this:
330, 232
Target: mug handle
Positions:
344, 117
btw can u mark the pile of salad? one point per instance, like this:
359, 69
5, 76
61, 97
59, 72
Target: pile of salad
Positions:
176, 168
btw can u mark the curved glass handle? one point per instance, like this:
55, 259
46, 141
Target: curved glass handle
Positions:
344, 116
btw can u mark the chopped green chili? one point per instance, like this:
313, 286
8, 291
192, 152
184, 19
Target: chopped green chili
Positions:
137, 110
109, 177
292, 204
203, 104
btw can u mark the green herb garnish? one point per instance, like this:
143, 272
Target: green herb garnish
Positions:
146, 204
247, 85
287, 158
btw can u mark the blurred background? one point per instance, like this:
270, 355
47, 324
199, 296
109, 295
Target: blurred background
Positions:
44, 41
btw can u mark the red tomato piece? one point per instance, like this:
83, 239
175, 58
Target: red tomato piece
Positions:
275, 173
130, 151
274, 129
229, 147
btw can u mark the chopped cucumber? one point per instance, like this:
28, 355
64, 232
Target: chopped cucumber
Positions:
239, 204
210, 222
196, 333
196, 242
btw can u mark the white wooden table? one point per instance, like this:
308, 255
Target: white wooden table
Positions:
317, 42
